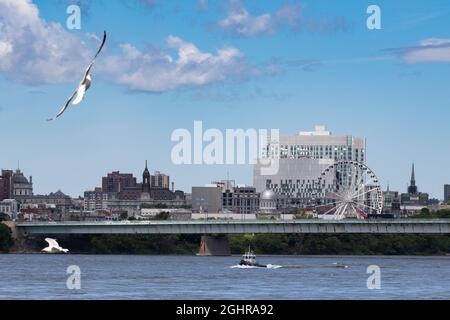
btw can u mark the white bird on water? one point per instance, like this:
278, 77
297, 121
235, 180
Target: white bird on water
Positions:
83, 86
53, 247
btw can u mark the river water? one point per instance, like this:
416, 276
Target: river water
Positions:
40, 276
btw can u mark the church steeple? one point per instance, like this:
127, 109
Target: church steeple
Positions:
412, 189
146, 179
413, 176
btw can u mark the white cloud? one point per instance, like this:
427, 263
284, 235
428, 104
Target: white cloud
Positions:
5, 49
239, 22
156, 70
34, 51
290, 14
428, 50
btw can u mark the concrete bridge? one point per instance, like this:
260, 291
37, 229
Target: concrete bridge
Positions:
435, 226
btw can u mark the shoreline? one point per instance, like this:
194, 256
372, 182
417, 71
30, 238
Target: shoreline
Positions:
236, 244
226, 256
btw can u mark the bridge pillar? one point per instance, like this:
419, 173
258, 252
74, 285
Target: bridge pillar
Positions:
214, 246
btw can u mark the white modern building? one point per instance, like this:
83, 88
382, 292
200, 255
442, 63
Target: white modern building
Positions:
302, 158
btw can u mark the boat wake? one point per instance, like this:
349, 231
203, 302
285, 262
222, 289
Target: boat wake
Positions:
292, 267
340, 265
244, 267
269, 266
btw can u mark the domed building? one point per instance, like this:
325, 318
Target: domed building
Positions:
22, 187
268, 202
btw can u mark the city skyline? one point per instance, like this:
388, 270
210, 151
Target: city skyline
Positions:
386, 85
157, 172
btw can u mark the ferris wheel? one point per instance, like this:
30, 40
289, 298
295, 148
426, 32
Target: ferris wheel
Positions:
347, 189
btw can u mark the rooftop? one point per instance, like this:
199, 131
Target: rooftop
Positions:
319, 130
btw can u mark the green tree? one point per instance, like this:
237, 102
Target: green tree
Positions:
4, 217
271, 243
239, 242
6, 240
123, 216
443, 214
145, 244
300, 214
162, 216
425, 213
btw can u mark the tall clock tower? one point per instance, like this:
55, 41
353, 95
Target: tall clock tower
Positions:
146, 179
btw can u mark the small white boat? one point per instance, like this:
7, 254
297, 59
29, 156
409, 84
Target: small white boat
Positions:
249, 259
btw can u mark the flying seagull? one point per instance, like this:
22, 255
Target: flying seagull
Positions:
53, 247
83, 86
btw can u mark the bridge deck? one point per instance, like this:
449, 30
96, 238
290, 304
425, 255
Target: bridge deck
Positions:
233, 226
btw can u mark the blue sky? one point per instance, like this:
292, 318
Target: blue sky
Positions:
278, 64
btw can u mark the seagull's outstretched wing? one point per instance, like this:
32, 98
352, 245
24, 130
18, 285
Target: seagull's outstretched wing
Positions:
88, 69
101, 46
52, 243
63, 109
